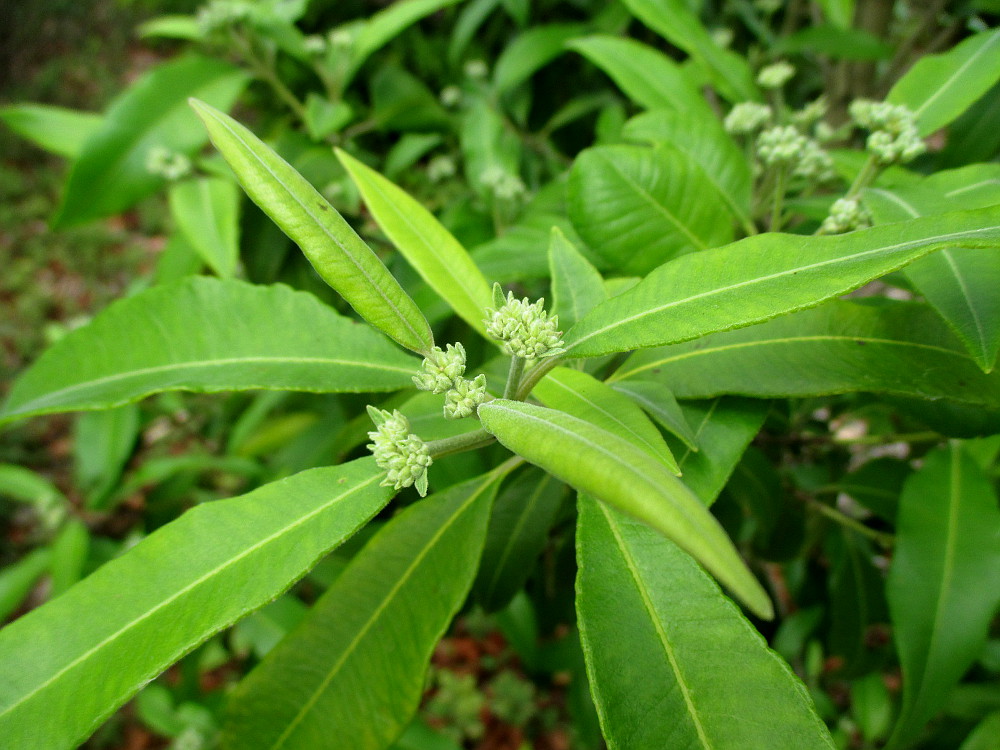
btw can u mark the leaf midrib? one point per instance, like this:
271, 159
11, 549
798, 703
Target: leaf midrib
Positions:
951, 79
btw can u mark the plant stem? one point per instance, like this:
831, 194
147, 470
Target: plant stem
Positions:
864, 178
514, 377
779, 199
535, 374
267, 74
460, 443
880, 537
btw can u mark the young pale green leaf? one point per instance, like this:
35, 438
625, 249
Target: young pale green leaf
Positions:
519, 527
647, 76
57, 129
386, 24
941, 605
375, 628
764, 276
898, 348
724, 428
661, 642
639, 207
206, 210
708, 145
111, 172
599, 463
938, 88
577, 287
430, 248
673, 19
207, 335
531, 51
139, 613
17, 579
960, 283
171, 27
583, 396
335, 250
658, 402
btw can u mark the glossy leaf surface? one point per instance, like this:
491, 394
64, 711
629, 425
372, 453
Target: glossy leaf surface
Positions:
57, 129
661, 641
898, 348
639, 207
938, 88
599, 463
764, 276
946, 549
248, 337
206, 210
339, 256
111, 173
375, 627
430, 248
184, 582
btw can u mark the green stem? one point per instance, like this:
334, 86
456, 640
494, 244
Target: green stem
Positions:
779, 199
267, 74
865, 177
514, 377
460, 443
879, 537
535, 374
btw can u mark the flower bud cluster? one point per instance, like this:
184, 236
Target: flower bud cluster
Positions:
440, 168
450, 96
747, 117
782, 144
815, 162
504, 185
894, 137
220, 14
341, 39
813, 112
171, 165
315, 44
465, 397
403, 455
775, 76
441, 369
525, 329
846, 214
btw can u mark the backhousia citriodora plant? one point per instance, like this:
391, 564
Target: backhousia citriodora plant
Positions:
581, 385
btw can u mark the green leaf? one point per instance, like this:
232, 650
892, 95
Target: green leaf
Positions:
658, 402
473, 15
647, 76
960, 283
599, 463
577, 287
57, 129
487, 146
519, 529
583, 396
207, 212
430, 248
946, 549
171, 27
638, 207
24, 485
530, 51
984, 736
839, 43
333, 248
103, 441
938, 88
110, 174
838, 12
207, 335
661, 643
760, 277
898, 348
673, 19
376, 627
708, 146
18, 579
142, 611
855, 600
69, 555
401, 101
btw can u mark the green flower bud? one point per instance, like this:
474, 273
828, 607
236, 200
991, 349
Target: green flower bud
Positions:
781, 145
525, 329
463, 400
894, 137
441, 369
404, 456
846, 214
775, 76
747, 117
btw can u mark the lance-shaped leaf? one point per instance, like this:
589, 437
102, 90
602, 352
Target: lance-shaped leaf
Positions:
938, 88
335, 250
639, 207
355, 667
207, 210
207, 335
647, 76
658, 402
661, 642
577, 287
110, 173
900, 348
139, 613
531, 51
57, 129
674, 20
599, 463
430, 248
583, 396
764, 276
941, 597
